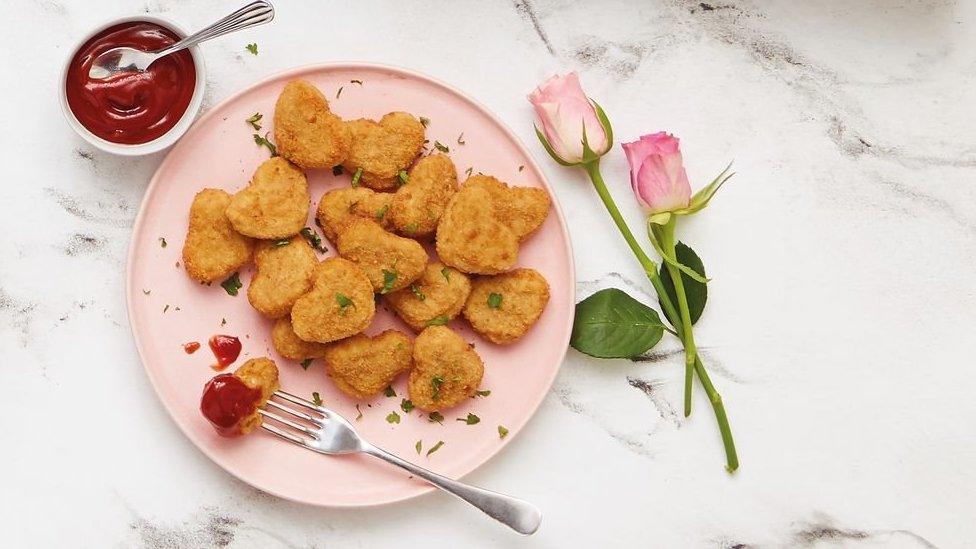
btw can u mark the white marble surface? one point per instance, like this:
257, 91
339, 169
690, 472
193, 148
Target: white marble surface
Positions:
838, 329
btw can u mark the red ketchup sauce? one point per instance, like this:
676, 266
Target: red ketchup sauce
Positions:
191, 347
226, 402
226, 348
131, 107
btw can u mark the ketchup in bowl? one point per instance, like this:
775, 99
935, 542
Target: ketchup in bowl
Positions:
131, 107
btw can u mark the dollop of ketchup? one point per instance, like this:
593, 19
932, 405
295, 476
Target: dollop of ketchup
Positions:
226, 401
226, 349
191, 347
131, 107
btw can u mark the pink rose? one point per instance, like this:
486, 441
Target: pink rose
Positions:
564, 111
657, 173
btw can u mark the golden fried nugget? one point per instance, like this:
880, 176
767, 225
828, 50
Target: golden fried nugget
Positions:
521, 209
362, 366
340, 303
305, 130
213, 249
471, 239
290, 346
381, 149
284, 274
258, 373
274, 205
446, 370
391, 262
418, 205
438, 295
339, 206
503, 307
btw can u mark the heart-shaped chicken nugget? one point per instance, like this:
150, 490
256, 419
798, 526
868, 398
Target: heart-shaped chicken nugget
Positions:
213, 249
362, 366
446, 370
522, 209
306, 132
503, 307
275, 203
381, 149
290, 346
340, 303
434, 298
261, 374
339, 206
284, 274
391, 262
470, 237
418, 205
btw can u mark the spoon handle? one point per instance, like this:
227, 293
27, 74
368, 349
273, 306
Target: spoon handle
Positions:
255, 13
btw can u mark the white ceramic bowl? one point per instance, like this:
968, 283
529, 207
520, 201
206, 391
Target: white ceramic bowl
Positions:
160, 142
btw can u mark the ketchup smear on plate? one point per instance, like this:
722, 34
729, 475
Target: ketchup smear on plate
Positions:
226, 348
191, 347
226, 402
131, 107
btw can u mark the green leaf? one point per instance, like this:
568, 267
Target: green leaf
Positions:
232, 284
438, 320
313, 239
470, 420
419, 446
356, 177
482, 393
695, 291
255, 121
389, 392
605, 122
393, 417
306, 363
252, 47
502, 432
381, 213
494, 300
549, 149
344, 302
702, 197
655, 234
611, 324
435, 447
316, 398
417, 292
441, 147
446, 273
389, 279
264, 142
406, 405
435, 417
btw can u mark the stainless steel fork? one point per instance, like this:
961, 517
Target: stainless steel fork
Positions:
327, 432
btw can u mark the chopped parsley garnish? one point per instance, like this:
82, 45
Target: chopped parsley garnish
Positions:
337, 170
436, 383
389, 391
166, 308
482, 393
435, 417
424, 121
393, 417
282, 242
521, 168
411, 228
441, 147
402, 175
446, 273
360, 416
419, 446
356, 177
360, 82
314, 239
468, 171
381, 213
162, 242
252, 47
435, 447
338, 93
502, 432
344, 302
389, 279
438, 321
416, 291
406, 405
232, 284
263, 142
470, 420
306, 363
316, 398
460, 139
494, 300
255, 121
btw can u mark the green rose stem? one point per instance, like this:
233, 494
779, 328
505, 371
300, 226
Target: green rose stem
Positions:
650, 269
691, 352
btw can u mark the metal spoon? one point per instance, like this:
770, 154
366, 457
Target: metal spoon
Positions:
124, 59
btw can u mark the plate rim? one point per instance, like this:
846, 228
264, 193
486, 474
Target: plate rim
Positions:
514, 431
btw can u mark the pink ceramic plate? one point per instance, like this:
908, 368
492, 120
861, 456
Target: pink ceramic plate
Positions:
167, 309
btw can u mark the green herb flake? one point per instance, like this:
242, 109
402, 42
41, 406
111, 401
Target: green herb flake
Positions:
403, 177
521, 168
306, 363
436, 383
406, 405
360, 416
232, 284
393, 417
416, 291
337, 170
255, 121
419, 446
282, 242
435, 447
356, 177
446, 273
314, 239
441, 147
162, 242
344, 303
502, 432
470, 420
438, 320
435, 417
460, 139
411, 228
166, 308
389, 392
316, 398
263, 142
389, 279
482, 393
381, 213
494, 300
252, 47
424, 121
338, 93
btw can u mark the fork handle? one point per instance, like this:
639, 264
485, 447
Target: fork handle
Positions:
519, 515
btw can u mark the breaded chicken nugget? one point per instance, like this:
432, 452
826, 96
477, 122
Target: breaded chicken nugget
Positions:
446, 370
274, 205
471, 239
284, 274
437, 296
339, 206
521, 209
503, 307
262, 374
362, 366
290, 346
391, 262
418, 205
381, 149
213, 249
305, 130
340, 303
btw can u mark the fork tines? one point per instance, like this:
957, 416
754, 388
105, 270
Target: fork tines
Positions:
316, 417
